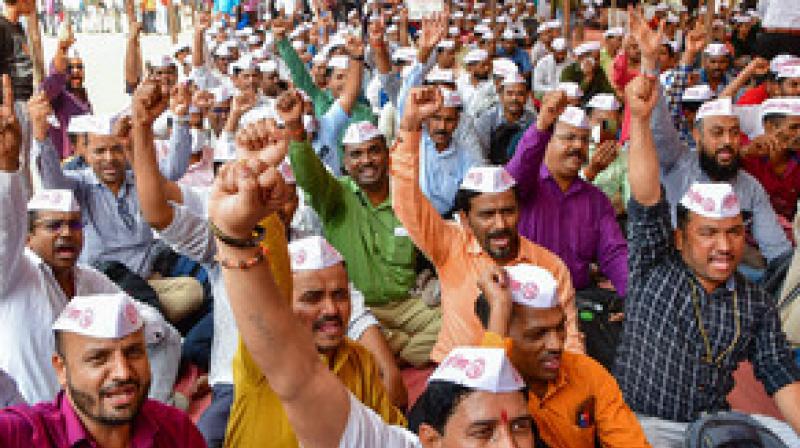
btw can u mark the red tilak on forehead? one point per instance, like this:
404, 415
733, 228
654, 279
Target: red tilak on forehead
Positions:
503, 416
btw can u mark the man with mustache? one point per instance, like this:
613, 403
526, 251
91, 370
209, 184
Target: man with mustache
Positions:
575, 402
690, 318
772, 159
101, 362
484, 234
321, 302
499, 128
41, 274
547, 166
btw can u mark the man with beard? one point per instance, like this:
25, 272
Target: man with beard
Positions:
101, 363
772, 159
41, 274
484, 234
509, 49
321, 302
66, 93
690, 317
547, 166
575, 402
548, 70
476, 77
499, 128
716, 70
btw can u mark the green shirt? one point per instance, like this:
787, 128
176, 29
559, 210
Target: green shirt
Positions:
379, 254
322, 98
599, 84
613, 181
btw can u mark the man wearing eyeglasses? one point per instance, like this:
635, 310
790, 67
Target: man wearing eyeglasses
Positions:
41, 274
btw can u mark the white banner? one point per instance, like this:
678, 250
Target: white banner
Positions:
418, 9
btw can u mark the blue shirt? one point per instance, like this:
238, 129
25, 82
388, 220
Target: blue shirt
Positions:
520, 57
326, 142
114, 229
441, 172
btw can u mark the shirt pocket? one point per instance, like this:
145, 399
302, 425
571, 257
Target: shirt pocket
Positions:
400, 250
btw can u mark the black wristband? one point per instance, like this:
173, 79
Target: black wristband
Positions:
259, 233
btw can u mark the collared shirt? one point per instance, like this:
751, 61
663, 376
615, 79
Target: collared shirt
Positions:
322, 99
189, 235
660, 362
56, 424
65, 105
258, 418
727, 78
114, 229
459, 258
441, 173
613, 181
379, 254
584, 404
31, 297
680, 167
578, 225
783, 189
675, 83
547, 73
365, 428
490, 120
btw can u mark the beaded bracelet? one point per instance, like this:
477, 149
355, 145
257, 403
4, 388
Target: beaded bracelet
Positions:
244, 265
259, 233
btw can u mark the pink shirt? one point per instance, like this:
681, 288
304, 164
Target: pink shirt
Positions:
56, 424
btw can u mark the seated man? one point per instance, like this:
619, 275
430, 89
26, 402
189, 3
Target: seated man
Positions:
548, 70
690, 318
587, 72
39, 251
321, 301
574, 400
101, 362
473, 398
546, 167
500, 127
485, 233
608, 162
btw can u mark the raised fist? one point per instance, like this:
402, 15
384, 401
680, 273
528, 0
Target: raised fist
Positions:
38, 110
421, 104
641, 96
149, 102
553, 104
10, 133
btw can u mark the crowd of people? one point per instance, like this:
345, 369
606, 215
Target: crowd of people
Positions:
575, 234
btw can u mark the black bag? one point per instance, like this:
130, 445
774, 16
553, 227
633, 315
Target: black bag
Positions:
730, 430
595, 306
130, 282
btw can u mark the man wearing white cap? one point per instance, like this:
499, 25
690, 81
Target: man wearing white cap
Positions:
508, 49
548, 70
484, 234
612, 42
41, 274
500, 127
547, 166
716, 67
474, 390
608, 161
587, 72
701, 318
101, 362
771, 158
321, 301
547, 31
519, 309
475, 79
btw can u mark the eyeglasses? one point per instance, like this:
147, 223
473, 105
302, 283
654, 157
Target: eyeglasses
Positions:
56, 225
582, 139
75, 66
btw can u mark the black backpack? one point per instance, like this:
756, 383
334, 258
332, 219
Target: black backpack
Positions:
730, 430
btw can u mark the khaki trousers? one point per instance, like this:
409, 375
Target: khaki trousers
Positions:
411, 328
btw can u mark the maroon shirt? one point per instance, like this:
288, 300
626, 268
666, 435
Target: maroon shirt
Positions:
782, 190
57, 425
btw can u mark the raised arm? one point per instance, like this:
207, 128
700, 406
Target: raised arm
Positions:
243, 195
377, 43
151, 187
198, 42
175, 164
424, 224
47, 158
641, 96
297, 68
133, 52
529, 155
757, 67
355, 67
12, 190
56, 81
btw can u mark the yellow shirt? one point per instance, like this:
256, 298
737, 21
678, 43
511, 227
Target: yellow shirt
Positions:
257, 418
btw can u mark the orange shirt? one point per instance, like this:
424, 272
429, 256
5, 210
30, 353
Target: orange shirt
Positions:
584, 402
459, 258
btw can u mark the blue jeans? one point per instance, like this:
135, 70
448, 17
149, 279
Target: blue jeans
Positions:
214, 420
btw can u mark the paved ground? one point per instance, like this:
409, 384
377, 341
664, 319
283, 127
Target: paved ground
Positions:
104, 61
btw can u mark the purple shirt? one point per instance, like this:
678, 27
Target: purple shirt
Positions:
578, 225
65, 106
57, 425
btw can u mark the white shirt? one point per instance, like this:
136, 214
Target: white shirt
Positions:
365, 429
468, 91
547, 73
31, 299
780, 14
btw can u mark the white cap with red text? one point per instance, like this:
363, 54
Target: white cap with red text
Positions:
488, 179
722, 107
54, 201
313, 253
361, 132
532, 286
107, 316
712, 200
574, 116
484, 369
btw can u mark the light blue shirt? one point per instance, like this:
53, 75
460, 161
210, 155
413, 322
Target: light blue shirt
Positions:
326, 141
114, 229
441, 172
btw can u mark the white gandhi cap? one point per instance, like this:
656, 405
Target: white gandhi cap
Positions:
484, 369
